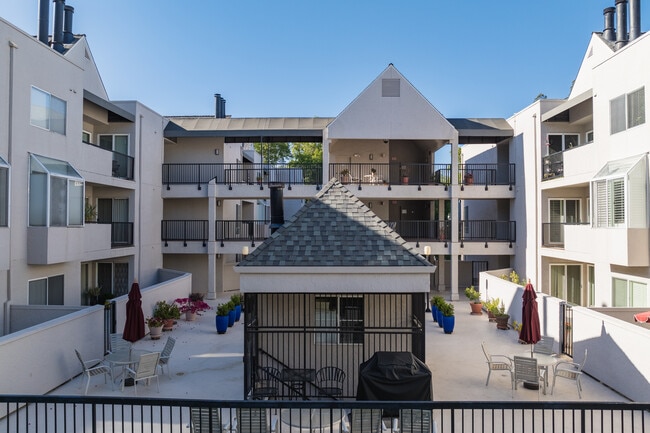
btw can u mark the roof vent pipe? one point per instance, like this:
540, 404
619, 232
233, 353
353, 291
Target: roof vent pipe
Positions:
44, 21
635, 19
68, 37
57, 32
621, 23
609, 32
219, 106
223, 107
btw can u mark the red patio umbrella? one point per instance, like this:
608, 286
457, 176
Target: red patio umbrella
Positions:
530, 332
134, 324
642, 317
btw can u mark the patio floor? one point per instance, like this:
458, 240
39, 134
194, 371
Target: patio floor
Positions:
206, 365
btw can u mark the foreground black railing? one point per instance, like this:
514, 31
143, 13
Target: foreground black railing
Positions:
47, 414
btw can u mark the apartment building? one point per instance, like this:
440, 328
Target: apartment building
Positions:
586, 163
80, 180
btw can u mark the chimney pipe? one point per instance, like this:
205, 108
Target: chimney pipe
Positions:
621, 23
277, 210
223, 108
57, 32
609, 32
68, 36
44, 21
635, 19
217, 105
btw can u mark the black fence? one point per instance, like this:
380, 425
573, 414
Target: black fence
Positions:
487, 230
423, 230
122, 166
241, 230
303, 332
184, 230
54, 414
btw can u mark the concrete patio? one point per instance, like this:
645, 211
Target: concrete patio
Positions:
206, 365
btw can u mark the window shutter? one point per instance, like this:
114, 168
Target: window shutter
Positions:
600, 204
617, 194
636, 108
617, 114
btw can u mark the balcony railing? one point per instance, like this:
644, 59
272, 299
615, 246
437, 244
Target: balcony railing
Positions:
45, 413
184, 230
553, 166
121, 234
122, 166
251, 174
241, 230
553, 234
468, 230
422, 174
423, 230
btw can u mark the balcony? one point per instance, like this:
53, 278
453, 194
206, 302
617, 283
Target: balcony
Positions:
49, 245
553, 166
185, 231
468, 230
108, 162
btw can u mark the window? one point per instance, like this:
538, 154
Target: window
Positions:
117, 143
566, 283
627, 293
47, 111
561, 212
561, 142
56, 193
46, 291
627, 111
4, 193
343, 315
85, 137
589, 137
610, 202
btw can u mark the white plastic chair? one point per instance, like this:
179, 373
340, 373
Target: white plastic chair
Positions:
93, 367
255, 420
146, 370
544, 346
118, 343
526, 370
571, 371
206, 420
165, 355
415, 420
496, 363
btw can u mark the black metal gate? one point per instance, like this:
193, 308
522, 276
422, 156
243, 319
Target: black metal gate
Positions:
567, 329
478, 266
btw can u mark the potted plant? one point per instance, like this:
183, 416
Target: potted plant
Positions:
448, 319
501, 317
492, 307
192, 306
236, 300
435, 302
345, 176
232, 315
404, 172
90, 213
168, 312
221, 320
155, 325
474, 297
469, 178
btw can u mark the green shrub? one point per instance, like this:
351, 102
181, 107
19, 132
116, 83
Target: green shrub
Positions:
447, 309
223, 309
473, 295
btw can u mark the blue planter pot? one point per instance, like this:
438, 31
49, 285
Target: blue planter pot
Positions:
237, 313
231, 318
448, 324
434, 313
222, 324
439, 317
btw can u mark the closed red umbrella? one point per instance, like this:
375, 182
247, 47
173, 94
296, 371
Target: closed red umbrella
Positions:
134, 324
530, 332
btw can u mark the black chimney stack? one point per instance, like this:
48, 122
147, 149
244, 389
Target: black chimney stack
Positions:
219, 106
57, 32
68, 36
621, 23
277, 209
635, 19
44, 21
609, 32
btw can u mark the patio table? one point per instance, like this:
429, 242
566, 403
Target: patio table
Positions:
323, 419
297, 378
124, 358
544, 361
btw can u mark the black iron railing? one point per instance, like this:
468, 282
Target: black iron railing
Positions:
241, 230
241, 173
423, 230
121, 234
54, 414
122, 166
184, 230
486, 174
469, 230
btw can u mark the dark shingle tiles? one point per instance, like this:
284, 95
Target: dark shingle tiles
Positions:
334, 229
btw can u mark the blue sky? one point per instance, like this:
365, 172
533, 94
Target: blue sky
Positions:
469, 58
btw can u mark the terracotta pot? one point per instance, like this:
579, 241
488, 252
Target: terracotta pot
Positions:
168, 324
189, 316
477, 309
502, 321
491, 317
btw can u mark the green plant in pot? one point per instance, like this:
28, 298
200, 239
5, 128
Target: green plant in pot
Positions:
232, 314
221, 320
168, 312
501, 317
236, 300
492, 307
437, 301
448, 319
155, 325
474, 297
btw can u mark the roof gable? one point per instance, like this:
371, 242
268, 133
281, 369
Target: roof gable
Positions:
334, 229
391, 108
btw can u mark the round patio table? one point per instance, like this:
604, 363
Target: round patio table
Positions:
313, 419
544, 361
124, 358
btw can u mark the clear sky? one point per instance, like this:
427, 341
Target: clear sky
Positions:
469, 58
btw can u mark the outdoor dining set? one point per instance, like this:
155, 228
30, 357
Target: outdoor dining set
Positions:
127, 364
535, 367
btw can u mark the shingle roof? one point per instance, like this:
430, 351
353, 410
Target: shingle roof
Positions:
334, 229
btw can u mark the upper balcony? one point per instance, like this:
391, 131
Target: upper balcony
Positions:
107, 162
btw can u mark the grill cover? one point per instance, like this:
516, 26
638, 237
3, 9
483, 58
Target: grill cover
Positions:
394, 376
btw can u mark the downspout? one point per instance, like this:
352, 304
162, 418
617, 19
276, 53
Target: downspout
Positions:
537, 223
10, 142
139, 183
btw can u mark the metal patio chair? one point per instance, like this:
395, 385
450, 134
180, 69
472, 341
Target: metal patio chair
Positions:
93, 367
496, 363
570, 371
330, 381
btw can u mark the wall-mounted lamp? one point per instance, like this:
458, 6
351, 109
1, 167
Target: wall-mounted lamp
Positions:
356, 155
218, 203
216, 151
218, 256
370, 205
370, 156
244, 250
427, 250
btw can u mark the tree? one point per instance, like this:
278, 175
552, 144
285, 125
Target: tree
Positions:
273, 153
306, 153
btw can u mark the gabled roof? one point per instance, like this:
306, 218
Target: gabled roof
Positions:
334, 229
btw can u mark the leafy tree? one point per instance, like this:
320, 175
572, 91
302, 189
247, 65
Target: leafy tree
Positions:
306, 153
273, 153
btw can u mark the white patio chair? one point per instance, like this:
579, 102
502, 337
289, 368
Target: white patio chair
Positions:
415, 420
544, 346
118, 343
496, 363
526, 370
255, 420
364, 421
570, 371
93, 367
146, 370
165, 355
207, 420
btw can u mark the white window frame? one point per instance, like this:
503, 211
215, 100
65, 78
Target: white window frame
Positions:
564, 289
335, 337
564, 140
48, 114
47, 289
589, 137
629, 291
623, 106
609, 203
113, 136
85, 133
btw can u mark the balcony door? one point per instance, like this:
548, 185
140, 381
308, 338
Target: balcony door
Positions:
113, 278
562, 211
566, 283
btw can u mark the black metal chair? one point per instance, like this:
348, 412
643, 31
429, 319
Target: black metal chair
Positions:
266, 383
330, 381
